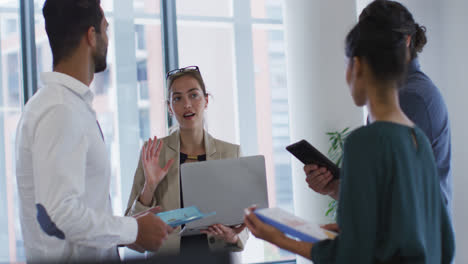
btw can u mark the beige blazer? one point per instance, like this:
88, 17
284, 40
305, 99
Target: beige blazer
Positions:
167, 194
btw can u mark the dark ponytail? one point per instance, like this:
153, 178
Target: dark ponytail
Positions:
386, 10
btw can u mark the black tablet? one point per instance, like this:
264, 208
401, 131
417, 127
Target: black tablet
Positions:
307, 154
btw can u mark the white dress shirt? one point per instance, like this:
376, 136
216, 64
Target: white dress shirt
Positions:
63, 174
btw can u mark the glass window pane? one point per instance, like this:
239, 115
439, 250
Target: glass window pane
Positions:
9, 4
216, 8
147, 6
360, 5
103, 86
150, 80
272, 127
11, 246
104, 102
107, 5
38, 4
267, 9
151, 106
213, 53
148, 87
43, 52
272, 104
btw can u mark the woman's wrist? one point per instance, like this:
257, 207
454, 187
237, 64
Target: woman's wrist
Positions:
233, 240
144, 200
146, 195
150, 187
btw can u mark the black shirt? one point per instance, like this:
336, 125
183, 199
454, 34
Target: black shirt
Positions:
196, 242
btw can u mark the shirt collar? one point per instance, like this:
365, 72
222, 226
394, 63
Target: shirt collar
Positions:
69, 82
413, 65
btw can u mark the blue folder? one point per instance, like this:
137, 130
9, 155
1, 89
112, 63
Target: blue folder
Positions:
291, 231
182, 216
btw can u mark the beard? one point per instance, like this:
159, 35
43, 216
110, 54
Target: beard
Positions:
100, 57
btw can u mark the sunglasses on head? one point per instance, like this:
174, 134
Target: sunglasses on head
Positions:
181, 70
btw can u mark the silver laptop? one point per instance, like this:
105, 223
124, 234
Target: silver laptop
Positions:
225, 187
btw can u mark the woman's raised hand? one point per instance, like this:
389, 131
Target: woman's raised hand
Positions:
153, 172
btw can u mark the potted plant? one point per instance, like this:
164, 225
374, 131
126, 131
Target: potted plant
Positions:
335, 153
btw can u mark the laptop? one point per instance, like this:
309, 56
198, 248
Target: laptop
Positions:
226, 187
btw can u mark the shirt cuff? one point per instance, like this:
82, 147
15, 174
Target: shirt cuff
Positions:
243, 236
129, 231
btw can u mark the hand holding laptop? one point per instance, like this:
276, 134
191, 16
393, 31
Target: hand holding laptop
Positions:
227, 187
226, 233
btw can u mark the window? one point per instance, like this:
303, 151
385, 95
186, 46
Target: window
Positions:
207, 37
11, 245
150, 76
140, 37
147, 6
102, 82
144, 124
239, 47
267, 9
272, 109
142, 78
204, 8
13, 79
213, 52
11, 26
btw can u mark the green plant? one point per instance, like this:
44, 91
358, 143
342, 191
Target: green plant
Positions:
335, 153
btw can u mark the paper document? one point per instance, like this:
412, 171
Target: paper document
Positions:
182, 216
293, 225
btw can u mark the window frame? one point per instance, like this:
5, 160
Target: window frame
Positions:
124, 16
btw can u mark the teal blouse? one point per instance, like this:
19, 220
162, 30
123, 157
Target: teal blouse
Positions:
390, 208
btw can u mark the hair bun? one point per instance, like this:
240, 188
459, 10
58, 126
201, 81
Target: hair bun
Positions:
419, 38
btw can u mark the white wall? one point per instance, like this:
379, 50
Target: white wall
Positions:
318, 95
445, 60
454, 83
